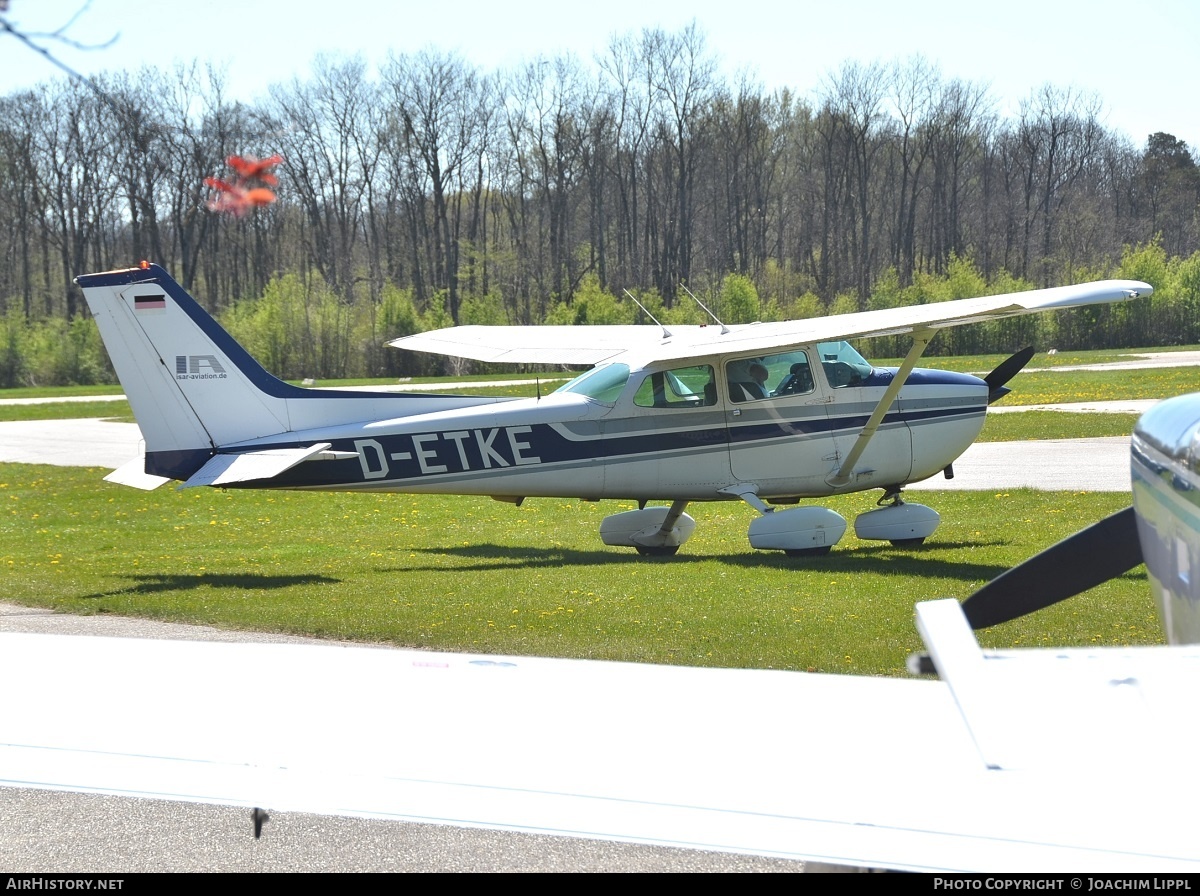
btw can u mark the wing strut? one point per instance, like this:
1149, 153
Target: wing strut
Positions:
921, 339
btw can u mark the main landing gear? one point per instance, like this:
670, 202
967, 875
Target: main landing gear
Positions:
798, 532
813, 531
904, 525
653, 531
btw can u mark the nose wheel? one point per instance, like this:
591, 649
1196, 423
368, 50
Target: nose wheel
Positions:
896, 521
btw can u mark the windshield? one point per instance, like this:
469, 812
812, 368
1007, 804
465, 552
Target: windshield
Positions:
843, 365
604, 383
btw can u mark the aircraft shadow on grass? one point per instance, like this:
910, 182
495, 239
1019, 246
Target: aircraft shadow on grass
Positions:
928, 560
145, 585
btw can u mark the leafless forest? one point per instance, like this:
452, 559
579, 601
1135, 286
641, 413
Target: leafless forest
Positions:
420, 191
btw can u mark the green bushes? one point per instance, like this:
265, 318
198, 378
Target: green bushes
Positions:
299, 327
52, 353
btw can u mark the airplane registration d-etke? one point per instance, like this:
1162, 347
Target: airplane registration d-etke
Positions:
765, 413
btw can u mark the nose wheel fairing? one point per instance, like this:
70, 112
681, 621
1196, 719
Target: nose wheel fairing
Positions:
901, 523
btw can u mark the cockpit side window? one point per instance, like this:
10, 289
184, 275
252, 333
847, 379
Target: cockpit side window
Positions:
799, 379
769, 376
680, 387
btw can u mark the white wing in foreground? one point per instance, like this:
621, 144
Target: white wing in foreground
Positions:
842, 769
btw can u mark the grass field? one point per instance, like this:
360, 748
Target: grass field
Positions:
473, 574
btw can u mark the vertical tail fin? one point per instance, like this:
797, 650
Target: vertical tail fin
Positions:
191, 387
196, 392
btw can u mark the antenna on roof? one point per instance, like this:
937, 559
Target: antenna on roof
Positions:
724, 329
646, 311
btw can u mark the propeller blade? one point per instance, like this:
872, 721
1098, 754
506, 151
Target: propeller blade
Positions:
1088, 558
1005, 371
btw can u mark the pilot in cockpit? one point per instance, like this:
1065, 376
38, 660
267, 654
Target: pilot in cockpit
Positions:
798, 381
747, 381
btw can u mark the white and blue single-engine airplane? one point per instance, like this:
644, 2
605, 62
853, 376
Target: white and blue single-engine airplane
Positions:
767, 413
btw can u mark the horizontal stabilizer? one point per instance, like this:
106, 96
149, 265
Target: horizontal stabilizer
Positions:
134, 474
225, 469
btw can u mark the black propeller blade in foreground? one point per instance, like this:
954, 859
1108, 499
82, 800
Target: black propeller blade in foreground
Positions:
1005, 371
1088, 558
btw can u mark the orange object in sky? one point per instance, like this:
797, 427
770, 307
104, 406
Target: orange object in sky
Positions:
250, 168
239, 195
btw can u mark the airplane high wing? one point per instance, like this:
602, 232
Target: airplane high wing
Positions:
596, 344
767, 414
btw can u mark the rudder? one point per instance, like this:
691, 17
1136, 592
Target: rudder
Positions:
191, 386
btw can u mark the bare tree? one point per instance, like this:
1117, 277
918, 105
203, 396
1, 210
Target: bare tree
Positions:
438, 105
961, 121
325, 128
627, 77
913, 90
1059, 131
684, 77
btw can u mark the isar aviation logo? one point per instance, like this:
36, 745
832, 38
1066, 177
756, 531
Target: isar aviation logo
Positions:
199, 367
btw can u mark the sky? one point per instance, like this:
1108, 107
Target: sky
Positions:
1141, 60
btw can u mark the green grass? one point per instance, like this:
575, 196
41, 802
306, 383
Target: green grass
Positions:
1092, 385
472, 574
58, 391
72, 410
1040, 361
1054, 425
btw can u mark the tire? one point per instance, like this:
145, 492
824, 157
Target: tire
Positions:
664, 551
808, 552
907, 542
